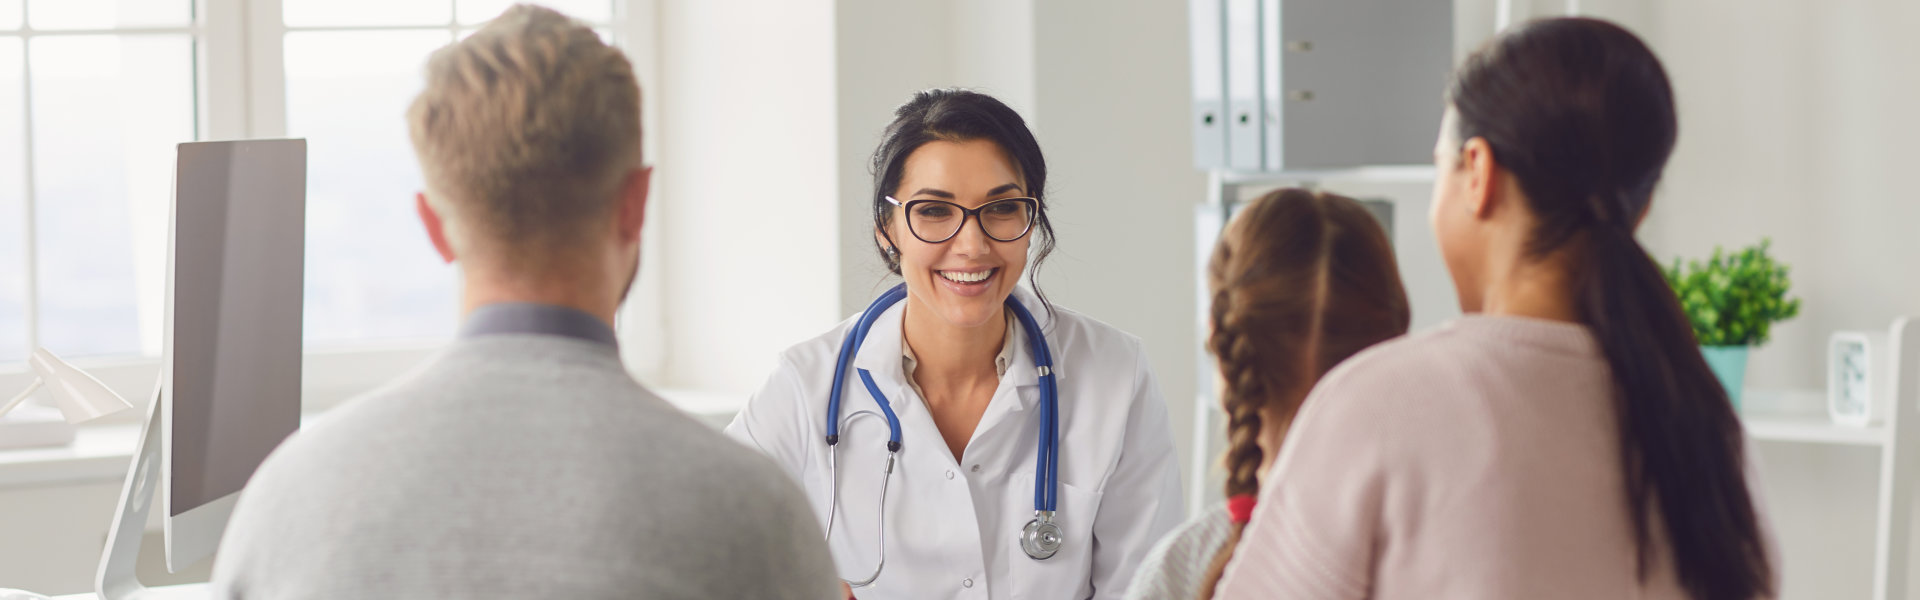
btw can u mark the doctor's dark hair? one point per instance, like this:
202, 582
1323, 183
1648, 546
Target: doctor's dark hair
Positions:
956, 115
1580, 111
1300, 281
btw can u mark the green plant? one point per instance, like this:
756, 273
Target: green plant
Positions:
1733, 299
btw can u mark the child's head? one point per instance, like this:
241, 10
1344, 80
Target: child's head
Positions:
1300, 281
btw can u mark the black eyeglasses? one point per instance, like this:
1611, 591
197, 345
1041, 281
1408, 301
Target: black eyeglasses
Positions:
936, 221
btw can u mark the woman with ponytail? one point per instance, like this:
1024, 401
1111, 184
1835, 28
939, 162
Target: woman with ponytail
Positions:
1300, 281
1565, 439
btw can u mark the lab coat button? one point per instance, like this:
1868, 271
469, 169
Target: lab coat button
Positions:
976, 468
949, 473
966, 583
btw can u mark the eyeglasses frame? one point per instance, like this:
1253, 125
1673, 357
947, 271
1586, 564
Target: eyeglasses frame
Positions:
1033, 216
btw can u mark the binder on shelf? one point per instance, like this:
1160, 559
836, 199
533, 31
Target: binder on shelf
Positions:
1359, 81
1209, 83
1272, 127
1244, 114
1311, 85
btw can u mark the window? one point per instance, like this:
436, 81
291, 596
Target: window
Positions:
13, 230
94, 94
371, 273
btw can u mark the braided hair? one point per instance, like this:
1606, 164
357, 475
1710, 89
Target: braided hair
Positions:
1301, 280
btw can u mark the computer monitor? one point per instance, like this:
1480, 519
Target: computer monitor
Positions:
229, 386
230, 379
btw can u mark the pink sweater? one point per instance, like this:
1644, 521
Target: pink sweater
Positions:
1478, 460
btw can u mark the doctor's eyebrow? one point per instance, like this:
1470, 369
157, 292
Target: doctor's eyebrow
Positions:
1011, 187
937, 193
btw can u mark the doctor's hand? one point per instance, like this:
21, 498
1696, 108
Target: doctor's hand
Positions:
848, 589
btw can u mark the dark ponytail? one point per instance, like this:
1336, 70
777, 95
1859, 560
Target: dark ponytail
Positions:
1581, 113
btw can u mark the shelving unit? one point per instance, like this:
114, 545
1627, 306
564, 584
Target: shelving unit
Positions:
1800, 417
1811, 429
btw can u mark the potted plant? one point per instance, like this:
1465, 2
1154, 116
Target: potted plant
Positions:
1732, 300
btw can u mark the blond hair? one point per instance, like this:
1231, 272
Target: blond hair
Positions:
525, 133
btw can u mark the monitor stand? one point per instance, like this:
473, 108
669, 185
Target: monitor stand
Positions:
117, 579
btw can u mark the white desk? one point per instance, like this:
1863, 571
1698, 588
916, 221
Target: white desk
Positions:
98, 453
197, 591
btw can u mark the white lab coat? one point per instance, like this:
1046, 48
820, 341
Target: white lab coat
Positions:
953, 528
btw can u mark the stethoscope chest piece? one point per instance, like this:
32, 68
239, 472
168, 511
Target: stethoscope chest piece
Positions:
1041, 538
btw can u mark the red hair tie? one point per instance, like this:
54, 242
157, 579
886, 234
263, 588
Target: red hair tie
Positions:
1240, 507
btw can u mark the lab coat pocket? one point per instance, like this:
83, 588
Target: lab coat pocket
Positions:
1068, 573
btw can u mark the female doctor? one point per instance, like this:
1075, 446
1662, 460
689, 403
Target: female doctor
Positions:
984, 443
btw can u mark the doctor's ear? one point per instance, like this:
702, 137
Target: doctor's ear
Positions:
889, 252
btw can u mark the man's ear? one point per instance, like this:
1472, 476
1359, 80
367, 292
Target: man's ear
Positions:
1483, 177
435, 225
632, 213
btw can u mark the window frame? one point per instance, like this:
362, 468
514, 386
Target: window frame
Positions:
240, 93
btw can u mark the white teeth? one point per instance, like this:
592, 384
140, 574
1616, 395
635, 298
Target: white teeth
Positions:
967, 277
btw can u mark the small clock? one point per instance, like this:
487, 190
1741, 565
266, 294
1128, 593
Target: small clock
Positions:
1859, 377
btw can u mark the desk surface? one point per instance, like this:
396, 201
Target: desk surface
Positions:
100, 452
193, 591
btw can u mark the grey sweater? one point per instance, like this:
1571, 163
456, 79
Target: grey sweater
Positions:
519, 466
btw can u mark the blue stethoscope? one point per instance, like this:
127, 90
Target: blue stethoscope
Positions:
1041, 537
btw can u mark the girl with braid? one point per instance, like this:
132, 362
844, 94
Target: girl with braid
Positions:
1564, 439
1300, 280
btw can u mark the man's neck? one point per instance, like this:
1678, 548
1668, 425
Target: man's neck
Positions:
480, 292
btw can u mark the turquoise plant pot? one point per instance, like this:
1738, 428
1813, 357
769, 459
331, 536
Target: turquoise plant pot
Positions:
1729, 363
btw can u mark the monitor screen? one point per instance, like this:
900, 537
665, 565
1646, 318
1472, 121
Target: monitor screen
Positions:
234, 345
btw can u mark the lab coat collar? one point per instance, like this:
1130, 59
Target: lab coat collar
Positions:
1023, 371
881, 355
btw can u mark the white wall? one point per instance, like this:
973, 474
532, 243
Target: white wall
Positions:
746, 181
1111, 104
641, 322
886, 51
1798, 122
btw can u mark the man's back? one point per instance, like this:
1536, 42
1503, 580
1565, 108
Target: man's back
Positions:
520, 466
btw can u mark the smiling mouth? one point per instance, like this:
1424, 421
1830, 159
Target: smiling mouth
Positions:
968, 277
